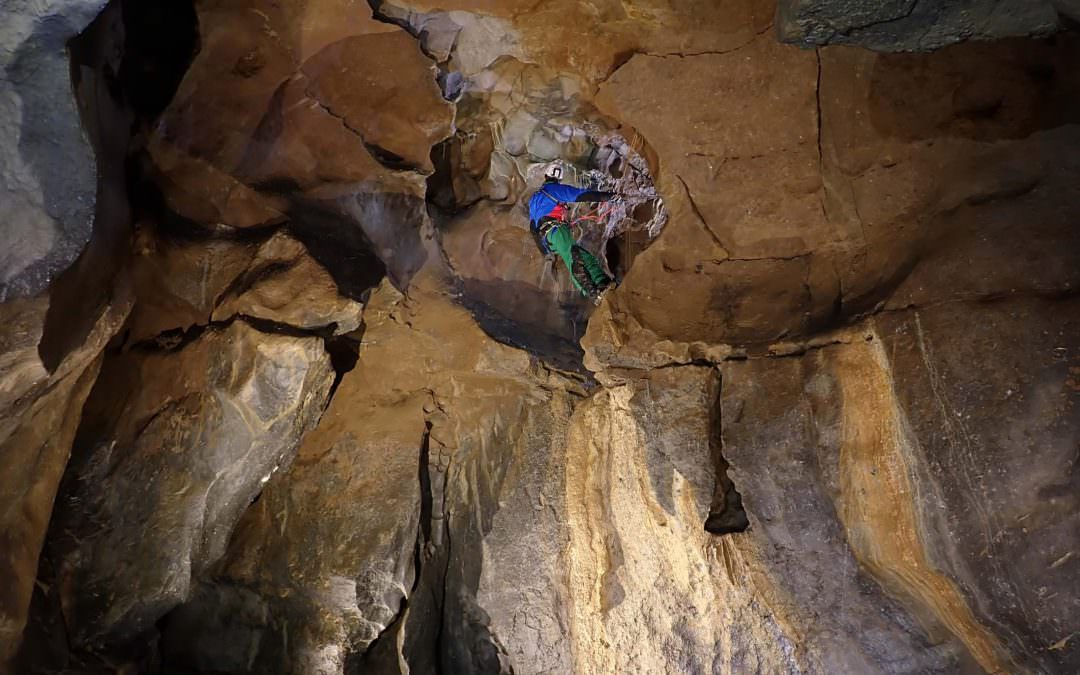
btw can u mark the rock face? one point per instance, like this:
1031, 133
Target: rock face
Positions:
48, 175
176, 444
41, 412
267, 132
328, 410
184, 283
335, 546
910, 25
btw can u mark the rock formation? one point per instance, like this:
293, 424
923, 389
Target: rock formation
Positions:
910, 25
287, 387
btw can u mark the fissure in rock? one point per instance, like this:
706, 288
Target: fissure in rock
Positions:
726, 514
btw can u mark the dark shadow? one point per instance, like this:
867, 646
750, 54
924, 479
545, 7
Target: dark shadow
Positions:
726, 514
344, 351
360, 237
160, 40
622, 250
508, 311
120, 88
338, 244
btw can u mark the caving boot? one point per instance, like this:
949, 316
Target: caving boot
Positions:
581, 275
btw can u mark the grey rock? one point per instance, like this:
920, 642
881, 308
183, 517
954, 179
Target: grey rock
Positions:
48, 173
172, 449
785, 462
912, 25
999, 487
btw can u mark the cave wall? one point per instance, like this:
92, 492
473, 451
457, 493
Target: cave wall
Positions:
328, 412
913, 26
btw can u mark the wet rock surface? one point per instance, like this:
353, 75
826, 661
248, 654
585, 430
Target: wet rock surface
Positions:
328, 410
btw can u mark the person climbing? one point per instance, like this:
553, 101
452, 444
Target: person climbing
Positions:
548, 214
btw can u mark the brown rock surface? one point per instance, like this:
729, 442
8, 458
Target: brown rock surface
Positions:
40, 412
922, 466
185, 282
515, 294
898, 175
285, 116
334, 543
847, 319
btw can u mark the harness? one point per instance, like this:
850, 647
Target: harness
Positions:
558, 204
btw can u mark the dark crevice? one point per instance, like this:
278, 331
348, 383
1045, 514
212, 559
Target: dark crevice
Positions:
389, 159
426, 499
344, 351
726, 515
421, 616
441, 199
160, 40
125, 69
178, 338
383, 651
435, 538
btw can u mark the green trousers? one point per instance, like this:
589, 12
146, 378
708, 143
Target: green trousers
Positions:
585, 270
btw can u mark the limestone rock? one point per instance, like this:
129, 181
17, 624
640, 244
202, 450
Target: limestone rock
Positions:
328, 126
395, 107
173, 446
40, 412
909, 25
334, 540
812, 242
185, 282
885, 432
48, 173
200, 192
514, 292
286, 286
997, 447
855, 333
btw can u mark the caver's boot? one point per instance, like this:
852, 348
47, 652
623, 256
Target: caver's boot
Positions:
582, 276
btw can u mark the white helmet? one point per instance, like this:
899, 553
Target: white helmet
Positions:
554, 171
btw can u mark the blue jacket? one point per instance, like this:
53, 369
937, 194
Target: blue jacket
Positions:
548, 197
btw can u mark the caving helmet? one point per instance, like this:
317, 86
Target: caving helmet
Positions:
554, 171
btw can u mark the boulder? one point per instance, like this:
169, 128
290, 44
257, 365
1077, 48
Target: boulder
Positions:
173, 446
186, 283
